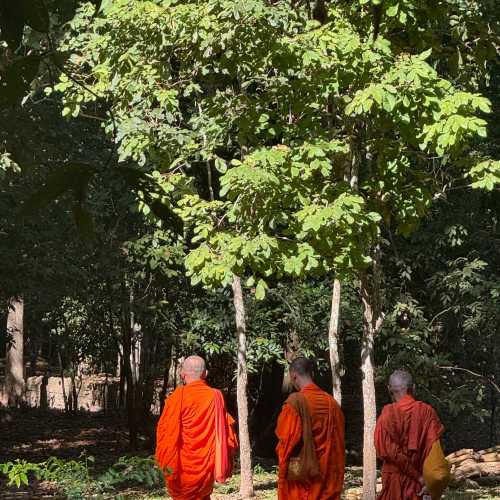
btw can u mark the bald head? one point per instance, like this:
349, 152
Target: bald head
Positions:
400, 384
193, 368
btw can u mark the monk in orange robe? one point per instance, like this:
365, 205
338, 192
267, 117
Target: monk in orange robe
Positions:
195, 440
407, 439
319, 422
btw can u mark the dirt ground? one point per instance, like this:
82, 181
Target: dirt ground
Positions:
35, 435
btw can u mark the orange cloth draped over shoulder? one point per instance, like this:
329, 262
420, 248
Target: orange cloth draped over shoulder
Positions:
195, 441
405, 434
328, 435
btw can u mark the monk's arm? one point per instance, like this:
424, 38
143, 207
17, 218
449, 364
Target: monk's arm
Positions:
289, 433
389, 451
167, 434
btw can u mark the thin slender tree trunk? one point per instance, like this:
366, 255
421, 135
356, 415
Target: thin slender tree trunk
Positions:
333, 341
372, 321
14, 360
292, 350
75, 389
120, 373
369, 409
33, 358
63, 385
127, 369
166, 373
129, 382
135, 356
246, 484
145, 384
146, 372
72, 391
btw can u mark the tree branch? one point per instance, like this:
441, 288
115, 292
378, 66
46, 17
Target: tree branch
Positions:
474, 374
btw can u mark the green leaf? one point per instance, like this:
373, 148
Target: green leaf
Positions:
389, 102
220, 165
260, 289
392, 11
425, 55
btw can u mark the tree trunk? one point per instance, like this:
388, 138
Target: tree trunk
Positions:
127, 371
120, 373
292, 350
75, 389
166, 373
129, 389
246, 484
63, 386
145, 384
372, 321
14, 361
333, 342
135, 356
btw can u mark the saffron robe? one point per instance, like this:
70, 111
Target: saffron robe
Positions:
405, 434
328, 436
195, 441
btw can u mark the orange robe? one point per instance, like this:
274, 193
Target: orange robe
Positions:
404, 436
195, 441
328, 434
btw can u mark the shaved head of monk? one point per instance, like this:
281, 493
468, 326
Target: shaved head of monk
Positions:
193, 368
400, 384
301, 372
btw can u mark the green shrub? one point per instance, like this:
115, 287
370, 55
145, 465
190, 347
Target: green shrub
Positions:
73, 478
137, 470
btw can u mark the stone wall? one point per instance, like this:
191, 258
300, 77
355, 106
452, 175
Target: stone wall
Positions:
95, 393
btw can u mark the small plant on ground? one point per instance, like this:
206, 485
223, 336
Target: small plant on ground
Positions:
73, 478
137, 470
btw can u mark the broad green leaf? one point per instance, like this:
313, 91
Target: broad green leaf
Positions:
260, 290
